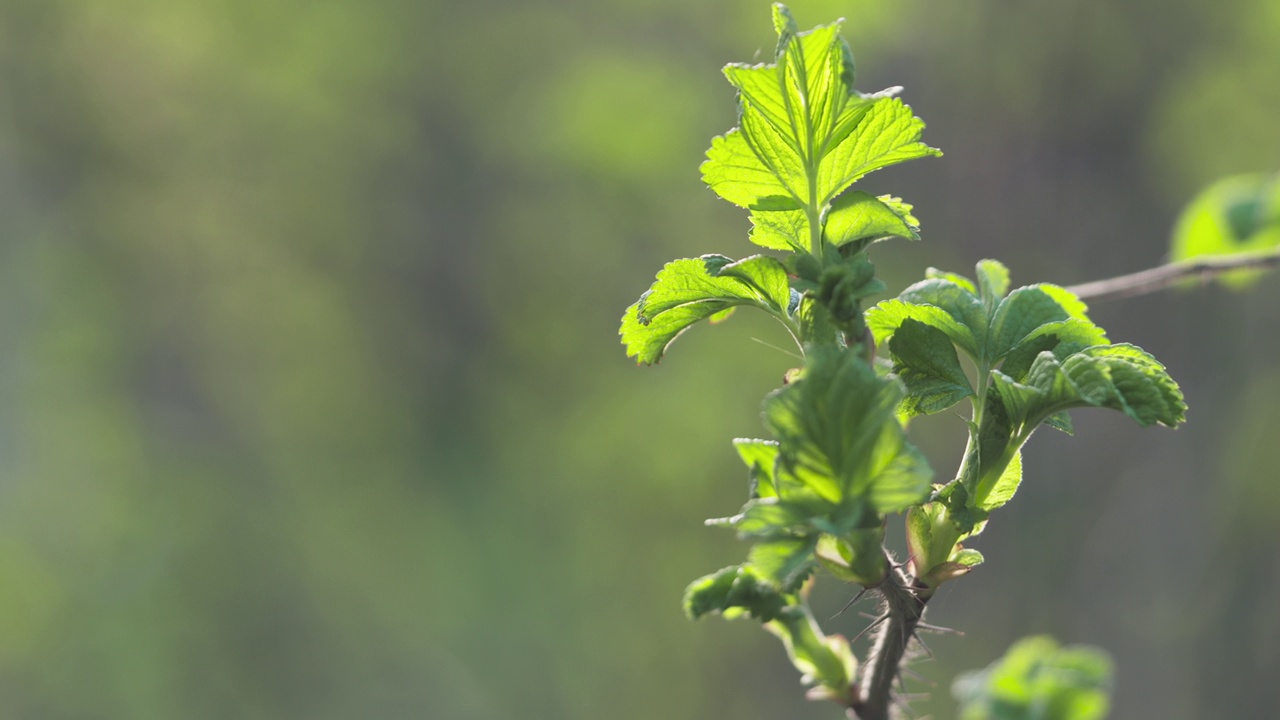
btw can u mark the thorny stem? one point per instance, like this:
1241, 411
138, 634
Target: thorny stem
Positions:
903, 610
1164, 276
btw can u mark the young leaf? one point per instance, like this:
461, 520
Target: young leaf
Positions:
737, 587
993, 282
825, 660
836, 429
785, 563
695, 289
886, 134
805, 134
1121, 377
1017, 316
886, 317
857, 216
926, 361
1038, 680
1063, 338
761, 456
964, 282
780, 229
1234, 216
1004, 487
736, 173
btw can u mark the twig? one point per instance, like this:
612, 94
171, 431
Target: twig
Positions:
1164, 276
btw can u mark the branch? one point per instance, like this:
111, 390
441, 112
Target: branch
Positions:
1159, 278
903, 610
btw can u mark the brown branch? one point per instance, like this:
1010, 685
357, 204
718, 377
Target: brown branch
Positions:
1164, 276
903, 609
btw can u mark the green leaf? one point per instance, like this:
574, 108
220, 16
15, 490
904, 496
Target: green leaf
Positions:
1120, 377
1063, 338
838, 436
785, 563
1061, 421
805, 134
857, 216
1038, 680
885, 134
1017, 316
738, 587
993, 282
696, 289
1004, 488
960, 303
817, 327
964, 282
856, 557
780, 229
886, 317
900, 474
772, 518
736, 173
825, 660
1234, 216
761, 456
926, 361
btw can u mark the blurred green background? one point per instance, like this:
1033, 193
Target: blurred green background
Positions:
312, 404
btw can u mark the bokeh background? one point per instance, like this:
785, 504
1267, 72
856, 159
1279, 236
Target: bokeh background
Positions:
312, 405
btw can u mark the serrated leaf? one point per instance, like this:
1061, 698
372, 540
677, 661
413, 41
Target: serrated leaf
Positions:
1004, 488
886, 133
1061, 421
761, 457
1017, 316
785, 562
805, 135
926, 361
964, 282
993, 282
886, 317
736, 587
836, 429
737, 174
771, 518
1120, 377
900, 473
695, 289
1237, 215
1063, 338
780, 229
858, 216
1067, 300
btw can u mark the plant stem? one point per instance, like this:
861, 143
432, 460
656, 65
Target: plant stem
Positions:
1164, 276
904, 608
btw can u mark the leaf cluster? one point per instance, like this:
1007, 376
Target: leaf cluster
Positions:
1038, 680
1034, 354
839, 461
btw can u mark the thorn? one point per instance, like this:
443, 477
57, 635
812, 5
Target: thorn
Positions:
924, 647
874, 623
849, 604
775, 347
938, 629
917, 676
